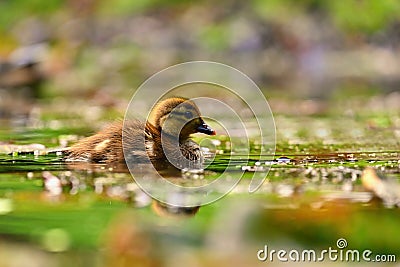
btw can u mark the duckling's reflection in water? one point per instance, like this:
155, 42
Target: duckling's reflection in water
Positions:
165, 210
141, 199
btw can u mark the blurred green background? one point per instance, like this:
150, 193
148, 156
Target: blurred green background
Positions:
303, 48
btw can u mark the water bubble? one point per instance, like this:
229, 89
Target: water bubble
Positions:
6, 206
284, 190
56, 240
283, 160
29, 175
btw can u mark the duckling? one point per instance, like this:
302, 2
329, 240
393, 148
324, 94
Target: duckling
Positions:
165, 120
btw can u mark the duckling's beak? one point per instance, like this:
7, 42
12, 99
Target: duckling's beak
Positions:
204, 128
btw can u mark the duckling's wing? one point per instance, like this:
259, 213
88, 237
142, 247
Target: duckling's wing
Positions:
105, 146
135, 139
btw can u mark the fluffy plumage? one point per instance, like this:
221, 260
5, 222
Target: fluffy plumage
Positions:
173, 120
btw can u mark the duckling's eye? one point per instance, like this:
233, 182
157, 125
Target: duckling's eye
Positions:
188, 114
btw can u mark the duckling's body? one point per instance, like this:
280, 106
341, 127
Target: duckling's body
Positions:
165, 120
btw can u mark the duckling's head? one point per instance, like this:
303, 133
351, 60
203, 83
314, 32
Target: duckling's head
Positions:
178, 116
